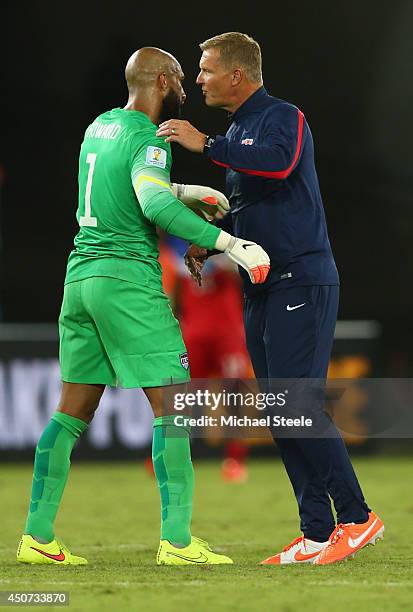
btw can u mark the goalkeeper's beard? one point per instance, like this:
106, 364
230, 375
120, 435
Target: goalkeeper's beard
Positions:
171, 107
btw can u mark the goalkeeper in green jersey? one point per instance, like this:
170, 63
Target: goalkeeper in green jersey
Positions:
116, 326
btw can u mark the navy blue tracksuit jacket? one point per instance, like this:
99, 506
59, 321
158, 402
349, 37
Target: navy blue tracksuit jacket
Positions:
274, 194
275, 201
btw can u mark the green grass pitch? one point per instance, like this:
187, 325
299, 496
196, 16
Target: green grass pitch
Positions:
110, 514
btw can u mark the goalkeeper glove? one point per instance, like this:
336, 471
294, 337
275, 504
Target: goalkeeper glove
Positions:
246, 254
210, 202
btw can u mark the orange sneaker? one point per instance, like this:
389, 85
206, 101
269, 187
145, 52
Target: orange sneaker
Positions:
301, 550
348, 538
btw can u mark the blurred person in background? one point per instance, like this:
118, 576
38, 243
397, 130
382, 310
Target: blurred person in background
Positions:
216, 345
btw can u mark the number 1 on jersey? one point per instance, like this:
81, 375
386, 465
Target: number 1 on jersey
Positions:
88, 219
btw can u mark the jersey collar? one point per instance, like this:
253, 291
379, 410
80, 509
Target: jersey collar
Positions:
251, 105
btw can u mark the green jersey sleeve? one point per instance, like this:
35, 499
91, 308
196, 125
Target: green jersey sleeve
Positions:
150, 174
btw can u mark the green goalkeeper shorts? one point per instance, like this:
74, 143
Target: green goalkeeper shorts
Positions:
117, 333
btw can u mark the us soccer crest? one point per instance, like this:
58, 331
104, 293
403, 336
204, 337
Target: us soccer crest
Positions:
184, 360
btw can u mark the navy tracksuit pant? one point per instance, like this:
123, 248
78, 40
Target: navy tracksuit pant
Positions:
296, 343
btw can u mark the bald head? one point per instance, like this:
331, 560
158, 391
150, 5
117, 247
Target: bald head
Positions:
154, 79
145, 66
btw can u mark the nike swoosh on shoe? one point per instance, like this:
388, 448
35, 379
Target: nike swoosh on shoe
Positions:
200, 559
59, 557
300, 557
354, 543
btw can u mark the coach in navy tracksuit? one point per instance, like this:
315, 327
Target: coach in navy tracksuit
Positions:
275, 201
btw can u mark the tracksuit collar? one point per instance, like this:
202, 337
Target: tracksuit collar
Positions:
252, 104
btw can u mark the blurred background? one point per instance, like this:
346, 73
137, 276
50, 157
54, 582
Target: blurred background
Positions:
348, 67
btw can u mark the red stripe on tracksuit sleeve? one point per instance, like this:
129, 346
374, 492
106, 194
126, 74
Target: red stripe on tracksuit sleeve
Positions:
280, 174
221, 164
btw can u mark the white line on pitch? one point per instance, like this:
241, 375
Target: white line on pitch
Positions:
104, 583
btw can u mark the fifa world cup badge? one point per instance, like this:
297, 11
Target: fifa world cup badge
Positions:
156, 157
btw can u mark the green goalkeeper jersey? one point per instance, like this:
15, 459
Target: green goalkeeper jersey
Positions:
124, 192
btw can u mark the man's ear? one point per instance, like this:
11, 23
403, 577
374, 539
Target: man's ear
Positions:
163, 81
237, 76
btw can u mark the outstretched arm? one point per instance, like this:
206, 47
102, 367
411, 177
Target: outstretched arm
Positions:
274, 157
150, 179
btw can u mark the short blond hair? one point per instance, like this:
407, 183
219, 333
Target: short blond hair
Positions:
237, 48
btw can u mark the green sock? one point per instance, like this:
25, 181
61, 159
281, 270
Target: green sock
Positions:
51, 469
174, 472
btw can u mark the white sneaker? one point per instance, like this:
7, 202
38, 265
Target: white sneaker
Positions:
301, 550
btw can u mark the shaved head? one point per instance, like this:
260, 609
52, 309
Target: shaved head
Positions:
154, 78
145, 66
